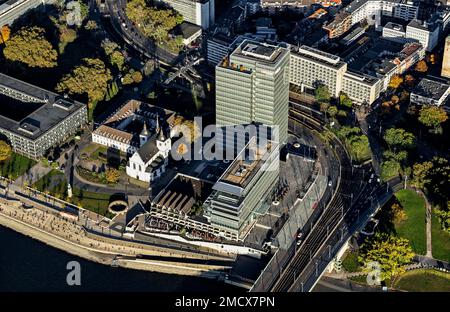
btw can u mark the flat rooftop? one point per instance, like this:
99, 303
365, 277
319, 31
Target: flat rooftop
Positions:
431, 89
31, 111
247, 163
319, 56
259, 52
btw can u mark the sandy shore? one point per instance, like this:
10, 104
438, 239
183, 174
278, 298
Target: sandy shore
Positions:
69, 237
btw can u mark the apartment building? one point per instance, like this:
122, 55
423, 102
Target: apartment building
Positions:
341, 23
425, 33
310, 67
361, 88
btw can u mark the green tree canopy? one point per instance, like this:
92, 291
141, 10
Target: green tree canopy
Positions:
322, 94
399, 138
90, 78
29, 46
154, 22
390, 252
332, 111
345, 100
117, 59
432, 116
433, 176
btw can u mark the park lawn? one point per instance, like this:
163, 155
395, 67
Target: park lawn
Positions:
15, 166
350, 262
100, 150
96, 202
440, 241
413, 228
424, 280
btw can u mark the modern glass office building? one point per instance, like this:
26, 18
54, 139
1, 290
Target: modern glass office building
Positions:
252, 86
243, 188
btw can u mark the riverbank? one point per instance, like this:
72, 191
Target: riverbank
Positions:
70, 237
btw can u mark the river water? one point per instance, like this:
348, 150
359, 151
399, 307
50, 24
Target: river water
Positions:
29, 265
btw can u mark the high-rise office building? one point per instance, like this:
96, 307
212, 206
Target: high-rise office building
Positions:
198, 12
252, 86
446, 62
240, 193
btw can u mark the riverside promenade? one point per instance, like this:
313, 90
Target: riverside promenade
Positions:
67, 235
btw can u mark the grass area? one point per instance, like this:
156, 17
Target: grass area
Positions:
440, 241
54, 183
360, 279
423, 280
15, 166
99, 153
91, 176
350, 262
413, 228
96, 202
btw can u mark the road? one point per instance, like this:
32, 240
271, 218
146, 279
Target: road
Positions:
352, 203
133, 37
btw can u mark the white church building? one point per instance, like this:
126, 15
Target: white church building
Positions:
149, 161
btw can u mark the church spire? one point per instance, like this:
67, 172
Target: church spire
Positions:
159, 130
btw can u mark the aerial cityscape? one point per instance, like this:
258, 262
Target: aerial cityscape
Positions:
235, 146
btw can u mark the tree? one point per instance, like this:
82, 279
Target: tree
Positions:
389, 169
433, 176
399, 138
189, 128
444, 217
345, 100
432, 116
66, 36
322, 94
400, 156
332, 111
5, 150
409, 79
5, 33
132, 77
90, 78
112, 175
117, 59
395, 99
30, 46
421, 66
398, 213
91, 25
109, 46
154, 22
137, 77
396, 81
390, 252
